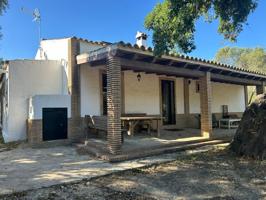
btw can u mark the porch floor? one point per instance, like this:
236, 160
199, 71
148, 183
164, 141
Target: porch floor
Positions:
144, 143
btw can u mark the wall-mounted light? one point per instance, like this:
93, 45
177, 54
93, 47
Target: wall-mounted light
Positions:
138, 77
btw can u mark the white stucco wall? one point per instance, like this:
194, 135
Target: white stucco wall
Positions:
228, 94
38, 102
179, 96
28, 78
222, 94
141, 96
194, 98
144, 96
54, 49
90, 90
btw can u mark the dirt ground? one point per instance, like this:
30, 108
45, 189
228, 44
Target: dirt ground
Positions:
8, 146
216, 175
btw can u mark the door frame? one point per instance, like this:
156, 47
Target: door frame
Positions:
160, 97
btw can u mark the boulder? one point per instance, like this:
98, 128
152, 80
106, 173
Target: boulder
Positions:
250, 137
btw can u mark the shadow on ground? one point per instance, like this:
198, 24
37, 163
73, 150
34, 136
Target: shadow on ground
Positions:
215, 174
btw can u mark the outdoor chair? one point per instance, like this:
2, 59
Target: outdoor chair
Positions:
215, 122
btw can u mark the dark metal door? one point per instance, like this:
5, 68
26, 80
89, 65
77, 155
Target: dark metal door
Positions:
54, 123
168, 102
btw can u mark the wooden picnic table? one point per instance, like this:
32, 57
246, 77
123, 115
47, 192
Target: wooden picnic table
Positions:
134, 120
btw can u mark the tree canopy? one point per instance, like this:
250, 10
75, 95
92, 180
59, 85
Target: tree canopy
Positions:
3, 7
248, 58
173, 21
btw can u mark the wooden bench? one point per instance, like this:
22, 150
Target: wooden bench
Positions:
98, 123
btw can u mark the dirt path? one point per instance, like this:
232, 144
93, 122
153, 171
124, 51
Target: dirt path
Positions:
209, 175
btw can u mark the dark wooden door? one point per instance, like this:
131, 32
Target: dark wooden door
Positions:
168, 102
54, 123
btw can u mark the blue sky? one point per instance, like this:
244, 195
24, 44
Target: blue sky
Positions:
108, 21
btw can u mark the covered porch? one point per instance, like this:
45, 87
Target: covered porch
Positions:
121, 60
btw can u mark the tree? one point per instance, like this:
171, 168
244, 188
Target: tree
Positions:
3, 7
248, 58
173, 21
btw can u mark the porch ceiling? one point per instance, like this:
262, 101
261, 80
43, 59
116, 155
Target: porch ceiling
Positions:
143, 60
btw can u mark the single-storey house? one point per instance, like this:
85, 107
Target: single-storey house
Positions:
47, 98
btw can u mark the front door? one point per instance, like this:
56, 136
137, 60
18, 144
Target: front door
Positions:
168, 102
54, 123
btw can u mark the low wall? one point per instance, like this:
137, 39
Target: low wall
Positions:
192, 120
75, 129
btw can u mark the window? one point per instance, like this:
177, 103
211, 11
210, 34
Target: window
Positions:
197, 87
104, 94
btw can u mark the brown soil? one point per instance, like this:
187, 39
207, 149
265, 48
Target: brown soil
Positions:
216, 175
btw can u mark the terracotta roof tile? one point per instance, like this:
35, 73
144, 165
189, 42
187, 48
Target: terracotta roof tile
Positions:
190, 58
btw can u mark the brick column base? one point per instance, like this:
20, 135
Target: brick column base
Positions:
205, 105
114, 105
76, 132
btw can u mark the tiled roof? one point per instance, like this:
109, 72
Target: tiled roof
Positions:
174, 55
102, 43
190, 58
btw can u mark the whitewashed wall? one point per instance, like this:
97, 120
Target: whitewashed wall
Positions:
54, 49
38, 102
179, 96
90, 90
194, 98
144, 96
228, 94
222, 94
141, 96
28, 78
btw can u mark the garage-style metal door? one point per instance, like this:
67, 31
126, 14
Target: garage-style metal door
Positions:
54, 123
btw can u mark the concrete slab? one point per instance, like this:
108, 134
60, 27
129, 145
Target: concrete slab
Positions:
26, 168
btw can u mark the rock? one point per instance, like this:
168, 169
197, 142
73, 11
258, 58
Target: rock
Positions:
250, 137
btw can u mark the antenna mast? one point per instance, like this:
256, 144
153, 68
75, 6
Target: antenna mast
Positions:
36, 18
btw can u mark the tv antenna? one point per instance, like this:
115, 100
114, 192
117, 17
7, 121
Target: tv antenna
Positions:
36, 18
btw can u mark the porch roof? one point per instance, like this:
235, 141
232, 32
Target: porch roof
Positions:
141, 59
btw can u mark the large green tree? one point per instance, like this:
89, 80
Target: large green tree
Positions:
3, 7
173, 21
248, 58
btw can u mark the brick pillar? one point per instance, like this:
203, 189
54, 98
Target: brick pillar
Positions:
205, 105
246, 95
74, 77
260, 89
114, 104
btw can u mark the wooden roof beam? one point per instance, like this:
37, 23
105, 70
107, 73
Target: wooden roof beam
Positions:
158, 68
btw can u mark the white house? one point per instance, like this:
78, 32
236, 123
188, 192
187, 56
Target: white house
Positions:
48, 97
